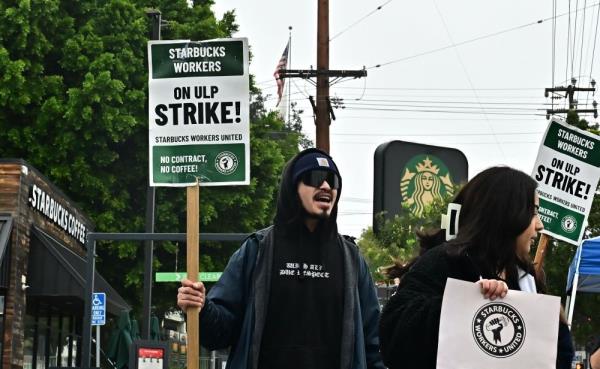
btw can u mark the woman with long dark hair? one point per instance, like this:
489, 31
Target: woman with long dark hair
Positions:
498, 223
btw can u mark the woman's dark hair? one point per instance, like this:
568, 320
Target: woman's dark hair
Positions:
497, 205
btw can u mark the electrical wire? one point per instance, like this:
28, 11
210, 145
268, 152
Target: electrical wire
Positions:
355, 104
594, 48
428, 134
434, 118
442, 111
574, 37
471, 40
464, 68
554, 44
595, 35
444, 89
359, 21
448, 102
568, 46
445, 143
582, 36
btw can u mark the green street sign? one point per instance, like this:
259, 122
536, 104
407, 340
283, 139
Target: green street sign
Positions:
177, 277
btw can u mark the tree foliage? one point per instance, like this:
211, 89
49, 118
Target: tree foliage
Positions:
73, 104
396, 238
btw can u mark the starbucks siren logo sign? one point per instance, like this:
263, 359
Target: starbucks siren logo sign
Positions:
426, 178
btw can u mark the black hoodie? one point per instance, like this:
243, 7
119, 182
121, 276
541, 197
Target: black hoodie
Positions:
304, 315
290, 214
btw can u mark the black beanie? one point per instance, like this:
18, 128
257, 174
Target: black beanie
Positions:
312, 161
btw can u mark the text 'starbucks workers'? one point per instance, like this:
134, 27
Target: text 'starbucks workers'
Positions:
567, 172
199, 112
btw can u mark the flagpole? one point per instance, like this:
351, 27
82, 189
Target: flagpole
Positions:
289, 67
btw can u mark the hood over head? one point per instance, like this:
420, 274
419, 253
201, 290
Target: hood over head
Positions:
290, 214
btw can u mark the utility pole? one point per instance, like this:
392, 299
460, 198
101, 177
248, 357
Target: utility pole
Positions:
322, 117
570, 93
322, 106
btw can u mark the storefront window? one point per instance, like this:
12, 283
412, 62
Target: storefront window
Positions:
1, 324
66, 342
41, 343
55, 334
28, 344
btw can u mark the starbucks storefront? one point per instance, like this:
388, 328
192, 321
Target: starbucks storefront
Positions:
42, 272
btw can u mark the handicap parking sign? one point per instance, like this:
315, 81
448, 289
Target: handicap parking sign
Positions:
99, 308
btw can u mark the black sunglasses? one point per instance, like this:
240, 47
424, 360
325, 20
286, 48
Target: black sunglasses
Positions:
315, 178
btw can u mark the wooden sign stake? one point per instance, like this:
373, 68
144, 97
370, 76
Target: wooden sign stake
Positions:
540, 253
193, 263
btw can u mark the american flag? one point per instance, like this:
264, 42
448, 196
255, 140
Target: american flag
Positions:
282, 64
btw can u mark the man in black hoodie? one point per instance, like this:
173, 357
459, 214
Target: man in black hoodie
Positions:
296, 294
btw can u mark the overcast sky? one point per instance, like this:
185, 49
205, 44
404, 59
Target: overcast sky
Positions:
465, 74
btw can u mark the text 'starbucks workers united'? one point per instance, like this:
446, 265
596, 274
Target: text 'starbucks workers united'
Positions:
199, 112
567, 172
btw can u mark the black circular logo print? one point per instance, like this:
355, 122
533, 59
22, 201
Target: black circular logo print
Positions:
498, 329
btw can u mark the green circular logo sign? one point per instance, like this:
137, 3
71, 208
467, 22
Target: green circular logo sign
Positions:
425, 179
226, 162
568, 224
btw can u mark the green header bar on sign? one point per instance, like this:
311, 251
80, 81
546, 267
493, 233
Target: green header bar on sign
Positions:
198, 59
177, 277
573, 143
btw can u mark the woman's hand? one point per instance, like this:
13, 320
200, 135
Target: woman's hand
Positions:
190, 294
493, 288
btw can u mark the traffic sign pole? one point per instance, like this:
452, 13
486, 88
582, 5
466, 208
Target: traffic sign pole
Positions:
98, 319
97, 346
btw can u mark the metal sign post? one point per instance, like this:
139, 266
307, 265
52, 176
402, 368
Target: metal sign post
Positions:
98, 319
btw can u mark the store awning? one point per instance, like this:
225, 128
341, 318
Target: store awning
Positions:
5, 227
54, 271
6, 222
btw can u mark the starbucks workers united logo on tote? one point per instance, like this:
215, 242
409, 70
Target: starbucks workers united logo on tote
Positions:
426, 178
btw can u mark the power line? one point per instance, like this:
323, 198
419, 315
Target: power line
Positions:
433, 118
442, 89
582, 37
574, 37
427, 134
568, 44
337, 87
360, 104
445, 142
471, 40
344, 101
358, 21
444, 111
451, 102
554, 42
594, 47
